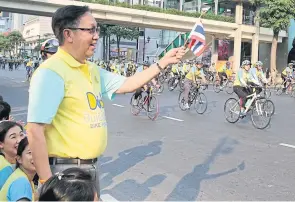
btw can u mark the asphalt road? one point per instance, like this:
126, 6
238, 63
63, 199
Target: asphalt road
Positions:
184, 156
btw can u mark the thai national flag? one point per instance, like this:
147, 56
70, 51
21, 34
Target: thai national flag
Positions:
197, 39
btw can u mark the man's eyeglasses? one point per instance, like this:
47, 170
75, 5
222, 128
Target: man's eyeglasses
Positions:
92, 30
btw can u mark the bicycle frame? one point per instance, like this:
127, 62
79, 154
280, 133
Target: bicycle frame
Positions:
257, 106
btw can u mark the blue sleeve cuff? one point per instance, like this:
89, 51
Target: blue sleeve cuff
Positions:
19, 189
45, 95
110, 83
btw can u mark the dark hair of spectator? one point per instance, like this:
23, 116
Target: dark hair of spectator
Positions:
5, 110
5, 126
73, 184
67, 17
21, 148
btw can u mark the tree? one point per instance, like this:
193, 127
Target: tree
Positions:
15, 38
275, 14
122, 32
5, 43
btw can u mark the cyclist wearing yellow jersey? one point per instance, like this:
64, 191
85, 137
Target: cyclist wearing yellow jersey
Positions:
240, 84
287, 74
196, 72
222, 72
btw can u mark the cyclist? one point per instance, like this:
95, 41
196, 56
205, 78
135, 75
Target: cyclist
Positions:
146, 87
257, 76
287, 74
222, 72
196, 72
49, 48
240, 84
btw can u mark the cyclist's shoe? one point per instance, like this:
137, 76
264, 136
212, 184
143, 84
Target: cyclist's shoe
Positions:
243, 114
186, 106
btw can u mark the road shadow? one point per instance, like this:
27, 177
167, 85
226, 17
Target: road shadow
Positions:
188, 188
131, 190
126, 160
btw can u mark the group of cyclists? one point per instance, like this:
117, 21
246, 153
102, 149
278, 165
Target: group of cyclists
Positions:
244, 81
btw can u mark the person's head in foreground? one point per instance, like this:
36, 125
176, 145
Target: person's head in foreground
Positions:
11, 133
73, 184
24, 159
76, 30
49, 48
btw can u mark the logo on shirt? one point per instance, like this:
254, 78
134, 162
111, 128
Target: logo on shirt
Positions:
94, 101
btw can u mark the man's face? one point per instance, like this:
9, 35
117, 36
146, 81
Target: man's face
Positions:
199, 66
84, 41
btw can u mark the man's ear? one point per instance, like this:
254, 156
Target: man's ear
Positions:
68, 35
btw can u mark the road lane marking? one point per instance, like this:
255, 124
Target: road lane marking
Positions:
118, 105
107, 197
287, 145
174, 119
19, 114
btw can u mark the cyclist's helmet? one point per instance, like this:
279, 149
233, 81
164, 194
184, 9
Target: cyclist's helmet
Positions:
290, 64
246, 62
50, 46
259, 63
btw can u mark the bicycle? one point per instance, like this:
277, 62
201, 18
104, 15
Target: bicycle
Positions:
258, 105
194, 97
227, 84
176, 80
279, 88
148, 103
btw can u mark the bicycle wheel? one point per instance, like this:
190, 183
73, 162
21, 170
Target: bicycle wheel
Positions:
153, 109
181, 84
267, 93
279, 89
201, 103
171, 84
232, 110
181, 102
135, 108
216, 86
269, 107
259, 117
161, 78
229, 87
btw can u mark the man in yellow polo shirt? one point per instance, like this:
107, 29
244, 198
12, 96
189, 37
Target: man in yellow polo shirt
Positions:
66, 116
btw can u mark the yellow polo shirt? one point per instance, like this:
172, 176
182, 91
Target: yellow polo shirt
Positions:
67, 96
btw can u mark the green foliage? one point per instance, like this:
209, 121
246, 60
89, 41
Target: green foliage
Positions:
276, 14
209, 16
122, 32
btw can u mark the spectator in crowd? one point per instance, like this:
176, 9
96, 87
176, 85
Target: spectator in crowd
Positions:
291, 56
73, 184
19, 186
11, 133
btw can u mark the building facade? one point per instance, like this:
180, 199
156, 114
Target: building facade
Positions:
36, 30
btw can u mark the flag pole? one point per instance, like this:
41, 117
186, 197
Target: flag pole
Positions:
186, 41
